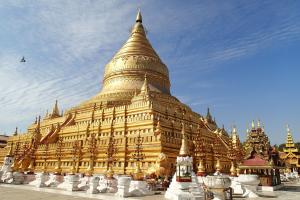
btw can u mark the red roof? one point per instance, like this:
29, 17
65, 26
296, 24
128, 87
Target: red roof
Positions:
256, 161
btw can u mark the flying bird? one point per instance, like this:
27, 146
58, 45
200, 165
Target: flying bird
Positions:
23, 59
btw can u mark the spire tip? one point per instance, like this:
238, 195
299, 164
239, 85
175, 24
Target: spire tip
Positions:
139, 16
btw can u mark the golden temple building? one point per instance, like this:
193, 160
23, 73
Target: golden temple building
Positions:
290, 154
260, 157
257, 140
135, 102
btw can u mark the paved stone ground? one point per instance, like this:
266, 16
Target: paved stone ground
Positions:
26, 192
23, 192
290, 191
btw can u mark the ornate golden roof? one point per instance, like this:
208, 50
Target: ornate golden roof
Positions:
126, 71
289, 140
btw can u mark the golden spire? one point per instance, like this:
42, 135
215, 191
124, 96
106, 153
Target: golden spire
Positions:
218, 165
234, 131
139, 17
201, 168
55, 111
288, 130
258, 124
234, 136
16, 132
38, 123
47, 113
184, 149
9, 154
232, 169
145, 88
208, 115
289, 140
253, 125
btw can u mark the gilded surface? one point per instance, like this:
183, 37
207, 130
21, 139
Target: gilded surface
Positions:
290, 154
135, 102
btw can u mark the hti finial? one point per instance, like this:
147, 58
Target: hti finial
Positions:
139, 16
184, 149
258, 123
288, 129
16, 132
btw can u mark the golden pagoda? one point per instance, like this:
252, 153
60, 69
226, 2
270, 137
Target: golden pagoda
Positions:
260, 157
135, 101
257, 141
290, 154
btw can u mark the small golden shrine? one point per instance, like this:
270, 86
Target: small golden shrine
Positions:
290, 154
135, 105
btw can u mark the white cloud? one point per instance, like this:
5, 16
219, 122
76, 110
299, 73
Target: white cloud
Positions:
67, 44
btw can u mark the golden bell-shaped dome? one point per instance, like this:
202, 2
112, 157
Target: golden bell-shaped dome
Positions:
127, 69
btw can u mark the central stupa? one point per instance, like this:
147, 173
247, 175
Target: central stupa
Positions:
101, 133
124, 74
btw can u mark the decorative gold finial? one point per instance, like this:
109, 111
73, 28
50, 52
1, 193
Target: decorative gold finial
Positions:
258, 124
288, 130
201, 169
9, 154
184, 149
138, 173
55, 111
38, 123
158, 128
253, 125
218, 165
16, 132
232, 169
31, 167
139, 16
110, 172
234, 131
47, 114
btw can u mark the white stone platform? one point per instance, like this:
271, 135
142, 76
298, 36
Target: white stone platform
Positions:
269, 188
185, 190
58, 192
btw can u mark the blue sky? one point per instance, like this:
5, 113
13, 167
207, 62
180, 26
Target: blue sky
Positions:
239, 58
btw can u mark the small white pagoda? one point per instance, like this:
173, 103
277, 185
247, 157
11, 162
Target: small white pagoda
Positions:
184, 183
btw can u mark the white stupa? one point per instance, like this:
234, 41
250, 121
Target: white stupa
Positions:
6, 169
184, 183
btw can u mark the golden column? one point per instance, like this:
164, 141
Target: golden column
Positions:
111, 152
138, 156
76, 150
58, 155
92, 150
